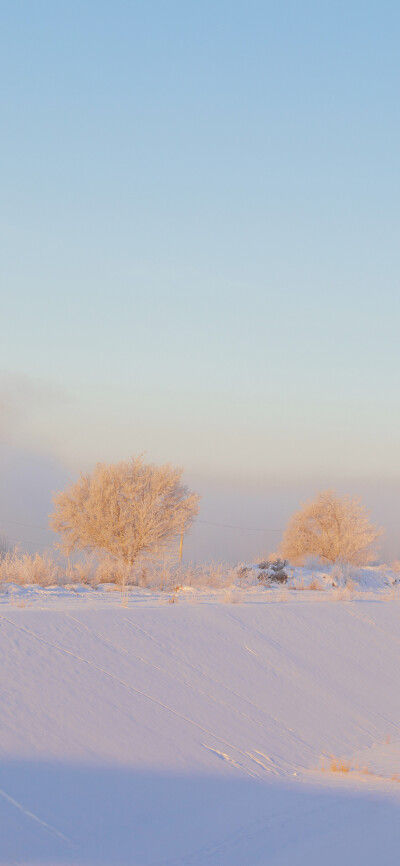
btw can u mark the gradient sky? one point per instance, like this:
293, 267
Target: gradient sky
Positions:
200, 220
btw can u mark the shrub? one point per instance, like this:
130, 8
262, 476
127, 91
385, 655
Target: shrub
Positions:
21, 568
273, 572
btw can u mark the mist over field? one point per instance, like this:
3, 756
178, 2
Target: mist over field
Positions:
238, 517
239, 512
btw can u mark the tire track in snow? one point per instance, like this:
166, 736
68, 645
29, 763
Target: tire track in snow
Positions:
99, 634
34, 817
271, 767
131, 688
266, 725
221, 685
371, 622
224, 757
270, 641
197, 689
245, 834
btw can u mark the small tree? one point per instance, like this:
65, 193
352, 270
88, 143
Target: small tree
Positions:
127, 510
332, 528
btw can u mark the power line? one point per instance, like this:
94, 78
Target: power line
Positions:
205, 522
246, 528
27, 525
21, 541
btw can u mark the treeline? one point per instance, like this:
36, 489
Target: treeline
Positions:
124, 518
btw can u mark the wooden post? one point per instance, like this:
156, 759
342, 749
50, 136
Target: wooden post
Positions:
181, 545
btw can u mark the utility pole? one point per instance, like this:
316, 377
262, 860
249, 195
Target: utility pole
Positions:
181, 545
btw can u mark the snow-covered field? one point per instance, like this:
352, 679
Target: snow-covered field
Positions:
135, 732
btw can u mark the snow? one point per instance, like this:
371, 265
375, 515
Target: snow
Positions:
136, 732
326, 577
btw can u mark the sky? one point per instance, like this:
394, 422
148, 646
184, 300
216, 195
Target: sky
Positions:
199, 254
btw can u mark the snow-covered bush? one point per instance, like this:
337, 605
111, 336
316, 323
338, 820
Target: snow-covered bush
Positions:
342, 573
22, 568
273, 572
159, 575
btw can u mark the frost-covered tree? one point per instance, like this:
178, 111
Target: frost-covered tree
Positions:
127, 510
333, 528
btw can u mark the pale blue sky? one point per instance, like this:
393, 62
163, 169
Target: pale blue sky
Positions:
200, 237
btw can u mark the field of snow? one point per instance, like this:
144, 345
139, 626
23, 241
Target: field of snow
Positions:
136, 732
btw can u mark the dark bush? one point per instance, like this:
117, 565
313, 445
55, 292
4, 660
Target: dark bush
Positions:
273, 572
